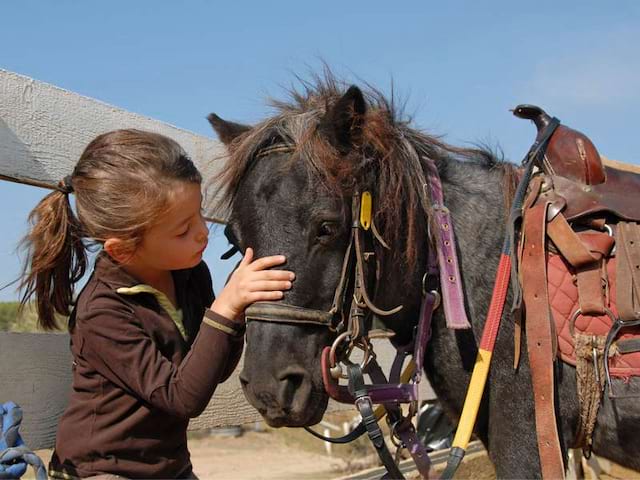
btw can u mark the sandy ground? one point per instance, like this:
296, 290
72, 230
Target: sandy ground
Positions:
259, 456
281, 454
288, 454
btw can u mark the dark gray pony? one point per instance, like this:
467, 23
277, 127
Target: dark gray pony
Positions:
297, 202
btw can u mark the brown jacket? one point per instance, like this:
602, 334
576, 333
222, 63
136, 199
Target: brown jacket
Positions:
136, 379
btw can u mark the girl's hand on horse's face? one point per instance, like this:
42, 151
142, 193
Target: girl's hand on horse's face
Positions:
252, 282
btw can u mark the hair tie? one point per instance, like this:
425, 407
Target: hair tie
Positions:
65, 185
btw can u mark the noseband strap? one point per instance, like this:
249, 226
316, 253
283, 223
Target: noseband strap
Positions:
283, 313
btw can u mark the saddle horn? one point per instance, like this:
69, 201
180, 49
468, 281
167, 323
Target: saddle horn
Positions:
569, 152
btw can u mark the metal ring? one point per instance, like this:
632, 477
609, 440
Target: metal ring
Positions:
609, 230
367, 352
438, 300
578, 312
425, 278
332, 353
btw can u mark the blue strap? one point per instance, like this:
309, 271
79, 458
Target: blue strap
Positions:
14, 454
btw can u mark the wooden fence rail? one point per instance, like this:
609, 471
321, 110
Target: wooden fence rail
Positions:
43, 130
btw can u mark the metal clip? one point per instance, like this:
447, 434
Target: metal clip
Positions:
596, 368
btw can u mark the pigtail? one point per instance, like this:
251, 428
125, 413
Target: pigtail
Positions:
56, 257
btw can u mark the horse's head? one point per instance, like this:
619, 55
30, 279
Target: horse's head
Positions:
289, 182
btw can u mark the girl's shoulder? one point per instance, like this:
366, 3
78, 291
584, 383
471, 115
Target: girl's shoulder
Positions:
100, 293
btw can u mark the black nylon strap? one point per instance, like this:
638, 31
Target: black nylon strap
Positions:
532, 158
349, 437
363, 403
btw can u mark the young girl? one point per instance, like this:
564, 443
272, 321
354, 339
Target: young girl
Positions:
149, 341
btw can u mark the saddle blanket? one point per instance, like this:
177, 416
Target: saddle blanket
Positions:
563, 299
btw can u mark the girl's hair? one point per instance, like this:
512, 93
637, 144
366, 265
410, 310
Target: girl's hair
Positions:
122, 184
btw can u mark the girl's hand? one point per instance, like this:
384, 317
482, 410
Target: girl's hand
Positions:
252, 282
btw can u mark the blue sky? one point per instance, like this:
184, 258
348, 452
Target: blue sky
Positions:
460, 65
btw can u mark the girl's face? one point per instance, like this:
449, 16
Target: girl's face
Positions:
179, 238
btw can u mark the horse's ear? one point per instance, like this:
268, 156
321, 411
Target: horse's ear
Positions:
342, 124
227, 131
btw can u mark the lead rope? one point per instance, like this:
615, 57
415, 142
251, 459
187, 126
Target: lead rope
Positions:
492, 325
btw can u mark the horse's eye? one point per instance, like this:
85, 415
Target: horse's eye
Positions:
327, 230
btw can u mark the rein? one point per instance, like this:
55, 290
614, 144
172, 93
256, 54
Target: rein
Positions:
353, 327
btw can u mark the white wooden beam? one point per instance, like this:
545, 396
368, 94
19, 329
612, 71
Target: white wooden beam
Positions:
44, 129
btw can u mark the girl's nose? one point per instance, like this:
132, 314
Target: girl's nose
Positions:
203, 232
202, 235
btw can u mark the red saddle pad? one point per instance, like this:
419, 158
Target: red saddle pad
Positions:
563, 299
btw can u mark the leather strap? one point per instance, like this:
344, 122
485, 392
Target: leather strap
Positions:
539, 340
516, 273
349, 437
450, 280
628, 270
585, 253
363, 402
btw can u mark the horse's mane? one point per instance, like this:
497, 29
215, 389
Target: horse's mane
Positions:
392, 149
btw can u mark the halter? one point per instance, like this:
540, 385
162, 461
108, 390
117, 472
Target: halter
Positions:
353, 328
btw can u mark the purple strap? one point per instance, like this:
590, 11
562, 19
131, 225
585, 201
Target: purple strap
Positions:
424, 333
419, 454
398, 392
450, 282
383, 392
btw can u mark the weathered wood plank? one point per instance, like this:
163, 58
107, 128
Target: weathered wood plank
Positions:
36, 374
628, 167
44, 129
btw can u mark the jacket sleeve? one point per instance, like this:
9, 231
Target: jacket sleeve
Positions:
234, 358
120, 349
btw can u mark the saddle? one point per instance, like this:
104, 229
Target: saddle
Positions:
579, 267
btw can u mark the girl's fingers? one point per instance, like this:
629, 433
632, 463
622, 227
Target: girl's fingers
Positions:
248, 257
268, 262
272, 275
270, 285
262, 296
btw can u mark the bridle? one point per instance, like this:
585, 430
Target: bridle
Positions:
352, 328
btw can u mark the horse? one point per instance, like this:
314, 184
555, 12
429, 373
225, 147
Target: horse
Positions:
287, 184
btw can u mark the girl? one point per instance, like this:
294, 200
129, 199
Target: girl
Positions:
149, 341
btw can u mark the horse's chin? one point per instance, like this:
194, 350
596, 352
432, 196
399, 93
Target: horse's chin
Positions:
310, 415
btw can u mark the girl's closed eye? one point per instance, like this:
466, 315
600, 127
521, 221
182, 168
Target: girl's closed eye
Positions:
184, 233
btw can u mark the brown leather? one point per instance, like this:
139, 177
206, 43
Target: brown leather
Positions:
540, 340
618, 196
628, 242
572, 155
585, 252
534, 190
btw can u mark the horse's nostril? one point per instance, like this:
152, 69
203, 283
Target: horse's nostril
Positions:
295, 374
293, 389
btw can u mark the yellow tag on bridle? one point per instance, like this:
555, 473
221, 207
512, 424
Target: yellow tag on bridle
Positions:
365, 210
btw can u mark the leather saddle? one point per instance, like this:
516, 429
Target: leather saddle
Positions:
579, 268
589, 183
